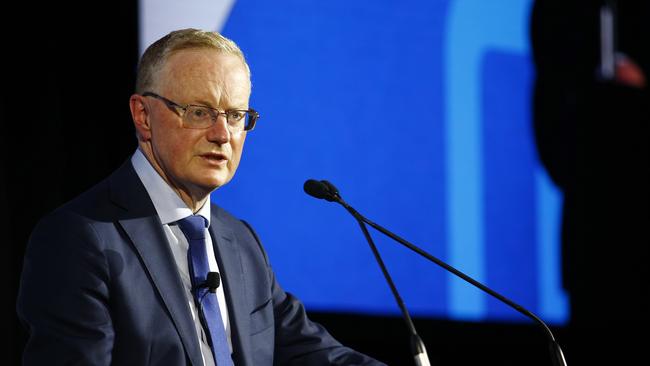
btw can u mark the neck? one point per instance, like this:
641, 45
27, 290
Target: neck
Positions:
194, 202
194, 199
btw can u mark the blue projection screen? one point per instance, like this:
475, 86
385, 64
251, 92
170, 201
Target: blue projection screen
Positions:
420, 113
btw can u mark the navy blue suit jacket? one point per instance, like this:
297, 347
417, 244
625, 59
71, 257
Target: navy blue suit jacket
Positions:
100, 286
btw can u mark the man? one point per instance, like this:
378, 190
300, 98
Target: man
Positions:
592, 137
119, 275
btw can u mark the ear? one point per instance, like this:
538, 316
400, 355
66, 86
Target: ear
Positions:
140, 114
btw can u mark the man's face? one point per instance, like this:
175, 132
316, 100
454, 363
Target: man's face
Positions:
197, 160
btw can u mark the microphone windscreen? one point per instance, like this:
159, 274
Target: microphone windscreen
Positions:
213, 281
330, 187
317, 189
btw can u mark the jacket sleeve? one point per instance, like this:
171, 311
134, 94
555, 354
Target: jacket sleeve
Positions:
63, 295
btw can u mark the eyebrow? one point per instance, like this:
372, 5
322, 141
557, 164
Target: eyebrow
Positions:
203, 103
207, 104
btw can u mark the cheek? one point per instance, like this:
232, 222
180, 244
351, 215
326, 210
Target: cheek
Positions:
237, 146
173, 146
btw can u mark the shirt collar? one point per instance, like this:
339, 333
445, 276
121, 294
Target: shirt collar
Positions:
169, 206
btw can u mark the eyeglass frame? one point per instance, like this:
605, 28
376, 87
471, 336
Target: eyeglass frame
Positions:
253, 115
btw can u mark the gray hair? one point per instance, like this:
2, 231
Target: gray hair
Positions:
156, 54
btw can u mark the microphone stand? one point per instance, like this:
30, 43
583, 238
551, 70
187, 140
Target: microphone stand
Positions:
556, 352
417, 346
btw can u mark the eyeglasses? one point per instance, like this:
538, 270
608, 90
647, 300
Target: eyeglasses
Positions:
200, 116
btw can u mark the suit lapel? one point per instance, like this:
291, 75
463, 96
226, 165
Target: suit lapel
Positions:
228, 256
142, 224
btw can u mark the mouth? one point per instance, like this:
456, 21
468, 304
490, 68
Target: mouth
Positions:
216, 159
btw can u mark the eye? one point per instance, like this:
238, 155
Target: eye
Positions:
199, 112
236, 115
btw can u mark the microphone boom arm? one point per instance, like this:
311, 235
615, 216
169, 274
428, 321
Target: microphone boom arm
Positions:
556, 351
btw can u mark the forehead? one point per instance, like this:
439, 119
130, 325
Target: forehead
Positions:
206, 70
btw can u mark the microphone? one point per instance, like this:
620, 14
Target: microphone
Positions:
212, 282
326, 190
319, 189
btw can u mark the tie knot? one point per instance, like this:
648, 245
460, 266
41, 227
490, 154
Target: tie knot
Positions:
193, 227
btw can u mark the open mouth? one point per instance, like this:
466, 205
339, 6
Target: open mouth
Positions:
215, 158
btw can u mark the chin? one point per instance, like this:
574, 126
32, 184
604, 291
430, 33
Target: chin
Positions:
213, 182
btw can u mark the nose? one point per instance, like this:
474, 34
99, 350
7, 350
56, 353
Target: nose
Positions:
219, 132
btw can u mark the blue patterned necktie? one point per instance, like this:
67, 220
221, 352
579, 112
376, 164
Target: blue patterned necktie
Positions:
194, 229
